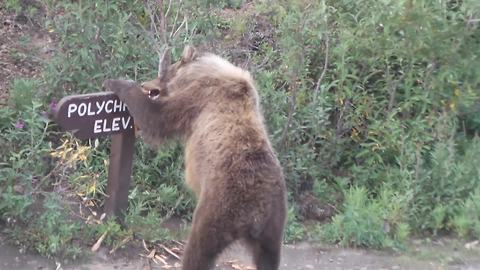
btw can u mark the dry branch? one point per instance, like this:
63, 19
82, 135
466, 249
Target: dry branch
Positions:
170, 251
97, 245
325, 66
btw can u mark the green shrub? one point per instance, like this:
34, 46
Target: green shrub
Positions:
294, 230
449, 177
366, 222
22, 92
34, 218
390, 111
14, 5
466, 222
360, 224
99, 40
147, 227
54, 232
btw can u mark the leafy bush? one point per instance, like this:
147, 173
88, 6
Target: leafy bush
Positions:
376, 96
368, 222
22, 92
53, 232
33, 217
294, 230
14, 5
448, 179
466, 222
98, 40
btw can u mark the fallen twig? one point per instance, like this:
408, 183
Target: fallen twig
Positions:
151, 255
161, 259
145, 245
97, 245
124, 241
170, 252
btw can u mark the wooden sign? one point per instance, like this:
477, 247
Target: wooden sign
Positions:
93, 115
100, 114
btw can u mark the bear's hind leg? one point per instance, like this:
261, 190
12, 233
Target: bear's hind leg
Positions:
266, 246
205, 243
266, 254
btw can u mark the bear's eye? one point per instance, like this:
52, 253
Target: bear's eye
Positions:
154, 93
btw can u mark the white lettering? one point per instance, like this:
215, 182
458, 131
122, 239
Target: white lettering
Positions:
125, 123
97, 127
105, 129
89, 111
117, 106
71, 109
124, 107
82, 109
100, 106
107, 110
115, 124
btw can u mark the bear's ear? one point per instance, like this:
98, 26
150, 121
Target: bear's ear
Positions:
164, 63
189, 54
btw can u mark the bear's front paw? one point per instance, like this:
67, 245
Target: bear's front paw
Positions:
119, 86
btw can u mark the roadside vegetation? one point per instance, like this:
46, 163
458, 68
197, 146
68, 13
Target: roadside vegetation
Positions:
372, 106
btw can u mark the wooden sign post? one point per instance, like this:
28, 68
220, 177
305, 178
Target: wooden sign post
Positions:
101, 114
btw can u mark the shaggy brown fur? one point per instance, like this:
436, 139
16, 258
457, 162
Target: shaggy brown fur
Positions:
230, 164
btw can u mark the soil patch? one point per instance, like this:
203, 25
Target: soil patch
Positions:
444, 254
23, 47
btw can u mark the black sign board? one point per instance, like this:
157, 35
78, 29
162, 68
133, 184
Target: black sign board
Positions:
93, 115
100, 114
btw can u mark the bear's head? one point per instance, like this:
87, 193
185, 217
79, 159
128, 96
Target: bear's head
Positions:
207, 77
166, 71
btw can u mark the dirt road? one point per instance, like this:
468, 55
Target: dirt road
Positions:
294, 257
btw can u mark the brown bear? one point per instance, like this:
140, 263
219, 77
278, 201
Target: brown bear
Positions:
230, 164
